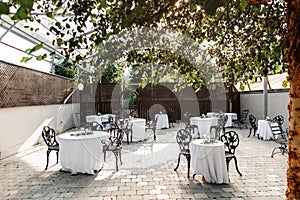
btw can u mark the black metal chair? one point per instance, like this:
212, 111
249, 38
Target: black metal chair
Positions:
279, 136
279, 119
171, 117
94, 126
184, 139
114, 144
49, 137
189, 126
242, 121
151, 125
222, 122
106, 124
215, 132
252, 121
128, 131
231, 141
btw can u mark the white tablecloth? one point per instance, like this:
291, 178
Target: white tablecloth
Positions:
100, 119
162, 121
209, 161
264, 130
231, 116
204, 124
138, 129
81, 154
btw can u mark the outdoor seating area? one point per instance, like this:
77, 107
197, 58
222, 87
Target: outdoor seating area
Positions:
147, 172
138, 100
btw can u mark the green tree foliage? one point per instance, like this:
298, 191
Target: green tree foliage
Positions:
65, 69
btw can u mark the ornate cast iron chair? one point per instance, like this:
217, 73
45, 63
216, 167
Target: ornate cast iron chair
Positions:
171, 117
279, 119
243, 119
114, 144
279, 136
231, 141
252, 121
184, 139
222, 122
151, 125
49, 137
193, 129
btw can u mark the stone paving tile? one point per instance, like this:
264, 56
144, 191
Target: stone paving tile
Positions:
147, 172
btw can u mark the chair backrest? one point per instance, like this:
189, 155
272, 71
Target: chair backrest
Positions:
252, 120
215, 132
231, 141
244, 115
170, 114
119, 137
184, 139
277, 131
279, 119
222, 120
49, 136
186, 118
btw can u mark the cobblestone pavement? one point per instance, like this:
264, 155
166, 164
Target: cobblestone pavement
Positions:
147, 172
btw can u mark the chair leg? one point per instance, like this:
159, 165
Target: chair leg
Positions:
154, 133
120, 157
250, 132
56, 157
104, 155
48, 152
236, 166
127, 134
116, 155
177, 163
188, 157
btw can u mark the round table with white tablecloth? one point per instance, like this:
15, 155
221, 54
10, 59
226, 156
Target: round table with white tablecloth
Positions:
80, 151
208, 160
138, 129
162, 121
204, 124
264, 130
231, 116
101, 119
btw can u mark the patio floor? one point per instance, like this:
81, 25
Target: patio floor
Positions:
147, 173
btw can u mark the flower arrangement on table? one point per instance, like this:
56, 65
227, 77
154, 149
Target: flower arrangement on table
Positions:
79, 134
268, 118
204, 116
99, 114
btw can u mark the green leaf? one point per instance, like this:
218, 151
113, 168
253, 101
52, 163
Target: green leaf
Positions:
20, 14
244, 3
36, 48
210, 6
50, 15
284, 84
39, 58
25, 59
59, 41
4, 8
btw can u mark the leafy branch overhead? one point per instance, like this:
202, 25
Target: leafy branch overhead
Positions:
244, 37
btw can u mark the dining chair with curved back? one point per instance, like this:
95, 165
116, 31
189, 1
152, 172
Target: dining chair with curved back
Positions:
184, 139
171, 117
279, 136
49, 137
151, 125
231, 142
242, 121
128, 131
193, 129
215, 132
252, 121
106, 124
222, 120
279, 119
114, 144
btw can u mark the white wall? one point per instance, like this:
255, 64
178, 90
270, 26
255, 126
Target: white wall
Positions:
21, 127
277, 105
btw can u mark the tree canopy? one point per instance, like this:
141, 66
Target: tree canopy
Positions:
246, 40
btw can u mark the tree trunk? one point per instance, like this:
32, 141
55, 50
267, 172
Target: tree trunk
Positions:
293, 59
